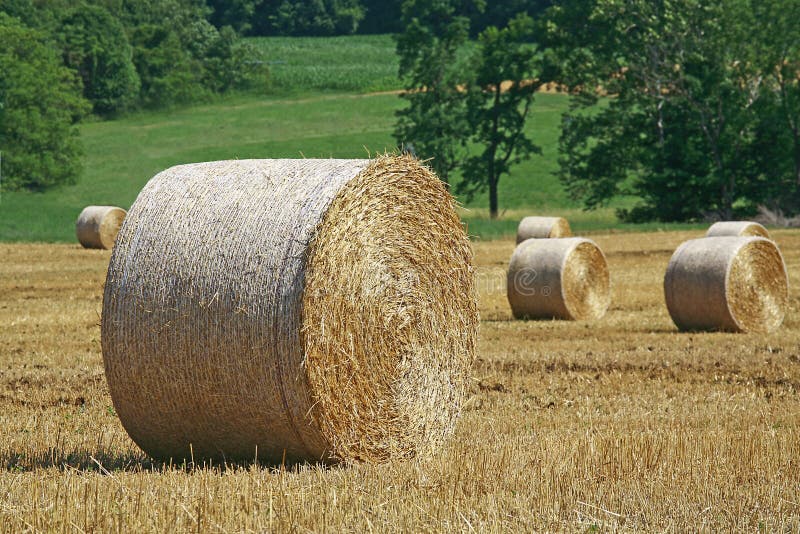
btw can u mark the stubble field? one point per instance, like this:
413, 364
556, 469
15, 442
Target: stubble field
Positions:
623, 424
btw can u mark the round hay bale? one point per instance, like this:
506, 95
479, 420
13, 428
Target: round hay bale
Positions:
98, 226
297, 310
564, 278
737, 284
542, 228
737, 228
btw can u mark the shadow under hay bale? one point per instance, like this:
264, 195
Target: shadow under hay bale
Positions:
317, 310
737, 228
542, 228
564, 278
98, 226
736, 284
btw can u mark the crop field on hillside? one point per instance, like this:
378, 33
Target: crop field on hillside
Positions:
620, 424
357, 63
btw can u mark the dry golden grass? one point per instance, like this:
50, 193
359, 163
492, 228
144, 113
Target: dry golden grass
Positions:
622, 424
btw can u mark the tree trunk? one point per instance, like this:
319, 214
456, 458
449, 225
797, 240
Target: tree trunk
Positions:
727, 201
493, 178
493, 199
797, 155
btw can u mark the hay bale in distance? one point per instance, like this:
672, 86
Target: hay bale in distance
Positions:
737, 284
304, 309
565, 278
542, 228
737, 228
98, 226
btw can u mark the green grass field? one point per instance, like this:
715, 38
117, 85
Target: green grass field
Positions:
313, 113
356, 63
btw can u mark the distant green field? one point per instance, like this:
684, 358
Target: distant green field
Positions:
358, 63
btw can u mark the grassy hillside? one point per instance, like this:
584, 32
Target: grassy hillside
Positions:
123, 154
295, 121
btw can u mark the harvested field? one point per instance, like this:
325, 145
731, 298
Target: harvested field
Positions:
620, 424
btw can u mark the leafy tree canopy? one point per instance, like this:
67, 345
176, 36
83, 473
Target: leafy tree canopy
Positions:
95, 45
433, 69
40, 104
499, 101
695, 93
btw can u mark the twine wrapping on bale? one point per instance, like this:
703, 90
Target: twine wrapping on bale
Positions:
98, 226
736, 284
542, 228
291, 309
737, 228
563, 278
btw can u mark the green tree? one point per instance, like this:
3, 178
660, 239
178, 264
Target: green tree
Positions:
30, 14
382, 16
434, 122
499, 102
96, 46
687, 88
499, 14
40, 104
237, 14
316, 17
777, 42
181, 57
167, 71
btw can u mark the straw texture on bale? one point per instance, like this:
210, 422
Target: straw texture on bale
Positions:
564, 278
737, 228
318, 310
729, 283
542, 228
98, 226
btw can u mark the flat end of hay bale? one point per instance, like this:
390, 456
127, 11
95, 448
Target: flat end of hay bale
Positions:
404, 312
758, 286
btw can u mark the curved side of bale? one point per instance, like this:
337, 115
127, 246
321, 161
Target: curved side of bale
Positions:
98, 226
737, 228
542, 228
298, 309
736, 284
563, 278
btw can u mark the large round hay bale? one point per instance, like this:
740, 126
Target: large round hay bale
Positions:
564, 278
290, 310
542, 228
737, 228
737, 284
98, 226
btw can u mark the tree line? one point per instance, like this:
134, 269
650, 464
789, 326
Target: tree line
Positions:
342, 17
61, 61
690, 106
